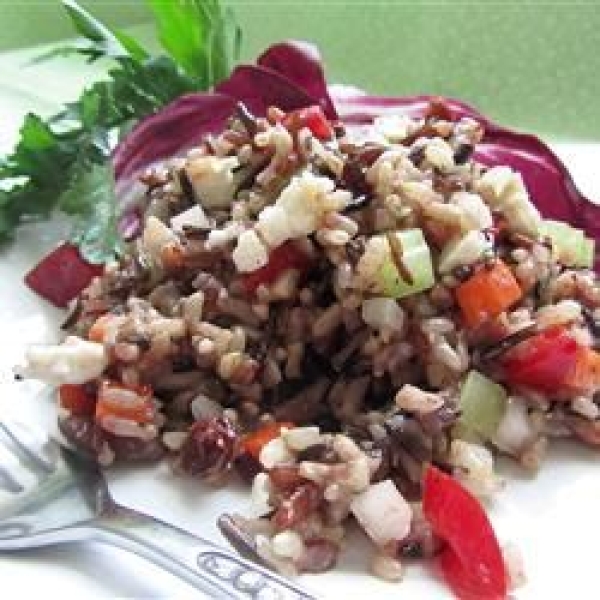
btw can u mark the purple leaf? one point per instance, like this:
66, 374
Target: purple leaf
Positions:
300, 62
61, 275
180, 125
258, 88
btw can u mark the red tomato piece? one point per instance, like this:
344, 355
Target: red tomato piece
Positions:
61, 275
475, 563
284, 257
311, 117
545, 362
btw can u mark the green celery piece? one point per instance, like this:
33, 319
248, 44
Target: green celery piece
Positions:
482, 404
587, 253
574, 249
416, 256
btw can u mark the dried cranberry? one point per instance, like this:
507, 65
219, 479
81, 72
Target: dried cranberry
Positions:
210, 447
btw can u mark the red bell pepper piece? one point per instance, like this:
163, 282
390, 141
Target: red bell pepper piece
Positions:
284, 257
254, 442
133, 403
472, 563
311, 117
77, 400
585, 378
487, 293
544, 362
61, 275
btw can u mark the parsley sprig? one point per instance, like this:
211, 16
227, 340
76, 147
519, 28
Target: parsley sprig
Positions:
63, 163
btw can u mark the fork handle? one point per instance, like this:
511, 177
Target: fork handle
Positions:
220, 573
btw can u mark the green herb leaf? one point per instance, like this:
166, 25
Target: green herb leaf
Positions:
95, 231
64, 162
199, 35
104, 42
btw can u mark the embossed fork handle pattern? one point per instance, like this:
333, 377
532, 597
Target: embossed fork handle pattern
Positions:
218, 572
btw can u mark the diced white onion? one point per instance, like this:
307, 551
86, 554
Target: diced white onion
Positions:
192, 217
212, 179
73, 361
250, 253
382, 313
382, 512
515, 430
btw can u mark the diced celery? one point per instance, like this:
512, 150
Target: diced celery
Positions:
587, 253
571, 245
482, 404
416, 258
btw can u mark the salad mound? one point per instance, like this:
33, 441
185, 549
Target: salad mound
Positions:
354, 303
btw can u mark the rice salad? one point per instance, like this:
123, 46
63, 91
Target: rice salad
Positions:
326, 312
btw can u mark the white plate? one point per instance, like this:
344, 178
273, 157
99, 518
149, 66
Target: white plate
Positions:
553, 518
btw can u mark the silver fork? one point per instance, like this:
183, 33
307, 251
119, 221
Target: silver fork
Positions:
71, 502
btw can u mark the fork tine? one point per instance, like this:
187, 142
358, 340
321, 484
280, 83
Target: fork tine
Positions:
7, 481
32, 450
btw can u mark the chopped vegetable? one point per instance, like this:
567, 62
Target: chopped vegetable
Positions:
472, 563
73, 361
464, 251
585, 377
482, 404
382, 512
256, 441
311, 117
98, 331
544, 362
408, 268
571, 245
382, 313
76, 399
284, 257
487, 293
125, 402
61, 275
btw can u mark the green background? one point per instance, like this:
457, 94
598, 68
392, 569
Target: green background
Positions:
534, 65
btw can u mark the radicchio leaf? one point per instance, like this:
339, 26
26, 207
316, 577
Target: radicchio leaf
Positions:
258, 88
300, 62
61, 275
180, 125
